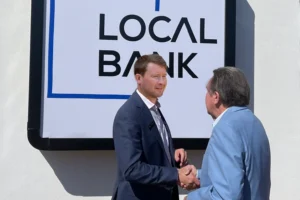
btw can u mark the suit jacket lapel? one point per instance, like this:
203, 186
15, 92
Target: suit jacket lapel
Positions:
149, 121
152, 125
171, 148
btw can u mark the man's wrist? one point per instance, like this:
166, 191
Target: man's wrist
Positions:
178, 177
198, 174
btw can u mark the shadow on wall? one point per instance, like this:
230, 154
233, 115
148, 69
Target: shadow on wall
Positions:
84, 173
244, 56
92, 173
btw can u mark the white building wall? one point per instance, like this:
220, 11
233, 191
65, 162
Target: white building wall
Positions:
268, 44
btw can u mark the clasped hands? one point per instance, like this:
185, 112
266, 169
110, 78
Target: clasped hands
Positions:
187, 174
187, 177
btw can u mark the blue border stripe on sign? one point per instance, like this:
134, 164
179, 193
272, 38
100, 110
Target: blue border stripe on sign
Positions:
90, 96
157, 5
50, 93
50, 47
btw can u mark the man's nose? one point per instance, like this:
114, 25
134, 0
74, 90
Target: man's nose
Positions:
162, 80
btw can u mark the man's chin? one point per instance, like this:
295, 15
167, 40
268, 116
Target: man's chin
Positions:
159, 94
211, 115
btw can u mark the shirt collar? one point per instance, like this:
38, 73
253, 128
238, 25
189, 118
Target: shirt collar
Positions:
218, 118
148, 103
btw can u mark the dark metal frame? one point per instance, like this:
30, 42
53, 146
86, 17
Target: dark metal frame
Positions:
36, 87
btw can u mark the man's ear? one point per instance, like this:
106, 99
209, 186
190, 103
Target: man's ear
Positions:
216, 97
138, 78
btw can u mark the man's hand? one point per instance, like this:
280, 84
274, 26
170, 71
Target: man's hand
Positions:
193, 170
187, 179
185, 198
181, 156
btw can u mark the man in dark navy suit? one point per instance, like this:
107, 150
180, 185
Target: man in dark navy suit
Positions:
149, 168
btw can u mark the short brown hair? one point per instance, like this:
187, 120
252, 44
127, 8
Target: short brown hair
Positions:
232, 86
140, 66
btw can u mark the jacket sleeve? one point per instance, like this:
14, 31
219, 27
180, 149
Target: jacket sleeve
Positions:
225, 167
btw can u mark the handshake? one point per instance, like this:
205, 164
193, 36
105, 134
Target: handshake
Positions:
187, 177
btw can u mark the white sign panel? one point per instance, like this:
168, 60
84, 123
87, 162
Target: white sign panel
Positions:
90, 47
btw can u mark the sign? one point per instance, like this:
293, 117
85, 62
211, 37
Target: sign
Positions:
85, 65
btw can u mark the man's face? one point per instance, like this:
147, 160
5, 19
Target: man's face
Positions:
211, 100
154, 81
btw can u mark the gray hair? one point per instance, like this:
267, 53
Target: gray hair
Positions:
232, 86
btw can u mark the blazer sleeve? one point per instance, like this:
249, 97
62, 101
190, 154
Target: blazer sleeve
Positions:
128, 147
225, 166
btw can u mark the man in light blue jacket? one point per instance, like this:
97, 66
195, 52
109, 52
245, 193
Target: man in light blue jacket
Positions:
236, 164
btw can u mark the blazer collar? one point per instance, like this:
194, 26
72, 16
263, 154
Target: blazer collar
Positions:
237, 108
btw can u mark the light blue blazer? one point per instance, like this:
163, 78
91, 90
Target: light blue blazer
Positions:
236, 164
